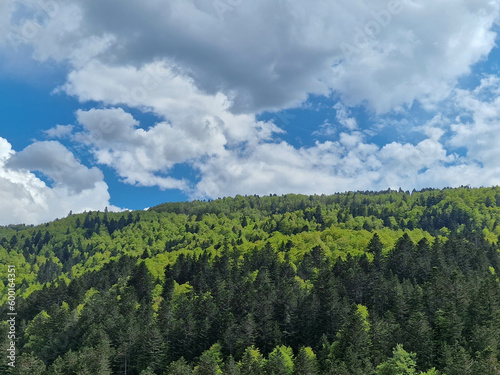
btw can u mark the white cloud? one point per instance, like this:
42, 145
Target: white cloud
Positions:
5, 150
136, 154
272, 55
434, 128
161, 88
346, 165
59, 131
326, 129
344, 117
481, 135
196, 125
235, 154
411, 60
27, 199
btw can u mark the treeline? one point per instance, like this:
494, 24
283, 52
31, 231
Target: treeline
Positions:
429, 209
351, 283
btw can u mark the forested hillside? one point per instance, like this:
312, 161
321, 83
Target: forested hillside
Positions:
386, 282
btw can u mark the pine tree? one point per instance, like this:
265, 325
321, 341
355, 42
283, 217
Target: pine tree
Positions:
231, 367
419, 339
143, 283
353, 345
306, 362
147, 371
375, 247
457, 361
27, 363
280, 361
210, 362
179, 367
252, 362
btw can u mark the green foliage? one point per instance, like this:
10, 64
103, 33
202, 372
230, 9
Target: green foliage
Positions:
432, 371
231, 367
27, 363
253, 362
179, 367
306, 362
210, 362
86, 361
352, 348
401, 363
289, 284
280, 361
147, 371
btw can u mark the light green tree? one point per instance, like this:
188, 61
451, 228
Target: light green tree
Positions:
402, 363
210, 362
280, 361
252, 362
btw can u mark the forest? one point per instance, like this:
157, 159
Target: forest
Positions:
356, 283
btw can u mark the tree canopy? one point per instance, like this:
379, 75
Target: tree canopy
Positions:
355, 283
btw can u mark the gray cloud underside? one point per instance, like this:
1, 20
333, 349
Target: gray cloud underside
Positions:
271, 55
27, 199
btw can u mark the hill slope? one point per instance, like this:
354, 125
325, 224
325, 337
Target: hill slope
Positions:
287, 285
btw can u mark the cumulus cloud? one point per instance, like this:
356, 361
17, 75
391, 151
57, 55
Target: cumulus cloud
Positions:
327, 167
59, 131
136, 154
196, 125
235, 154
272, 55
404, 59
161, 88
480, 135
58, 163
27, 199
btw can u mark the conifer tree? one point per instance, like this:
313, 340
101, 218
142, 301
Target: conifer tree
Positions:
353, 345
306, 362
252, 362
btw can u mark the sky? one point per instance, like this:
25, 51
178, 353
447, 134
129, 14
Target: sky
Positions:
128, 104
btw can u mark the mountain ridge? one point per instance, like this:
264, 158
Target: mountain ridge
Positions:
226, 282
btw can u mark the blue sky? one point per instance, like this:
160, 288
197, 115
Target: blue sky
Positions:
128, 105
